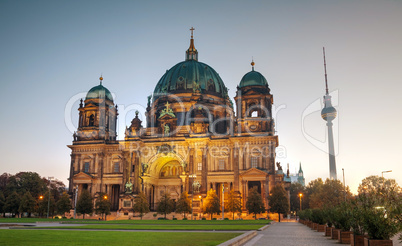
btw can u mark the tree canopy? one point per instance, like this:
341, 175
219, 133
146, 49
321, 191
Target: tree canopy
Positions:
84, 203
254, 203
165, 205
183, 205
233, 203
27, 204
211, 203
63, 205
331, 193
278, 201
141, 204
102, 205
12, 203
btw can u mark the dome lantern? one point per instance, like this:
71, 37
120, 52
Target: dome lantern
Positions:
191, 52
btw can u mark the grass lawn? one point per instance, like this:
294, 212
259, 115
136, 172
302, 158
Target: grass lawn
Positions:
57, 237
209, 227
143, 222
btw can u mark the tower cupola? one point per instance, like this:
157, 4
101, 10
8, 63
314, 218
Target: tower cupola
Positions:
191, 52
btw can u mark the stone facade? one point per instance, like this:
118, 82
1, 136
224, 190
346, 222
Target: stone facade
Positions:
193, 141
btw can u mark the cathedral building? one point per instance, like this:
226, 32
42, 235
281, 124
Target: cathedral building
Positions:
194, 139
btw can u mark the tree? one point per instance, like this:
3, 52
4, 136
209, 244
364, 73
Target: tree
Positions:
102, 205
32, 182
254, 202
384, 189
84, 203
183, 205
27, 204
211, 203
141, 204
2, 202
233, 203
330, 193
12, 203
165, 205
63, 205
314, 190
278, 201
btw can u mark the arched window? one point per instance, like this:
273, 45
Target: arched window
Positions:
116, 167
254, 162
254, 113
86, 167
91, 120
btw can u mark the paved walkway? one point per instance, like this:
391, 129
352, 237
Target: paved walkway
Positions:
290, 233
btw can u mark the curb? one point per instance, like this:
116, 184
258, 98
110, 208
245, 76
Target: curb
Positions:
239, 240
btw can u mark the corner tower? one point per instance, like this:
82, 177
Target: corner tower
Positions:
97, 117
254, 104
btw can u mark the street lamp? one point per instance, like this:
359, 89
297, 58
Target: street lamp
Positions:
382, 173
105, 198
48, 201
75, 201
300, 195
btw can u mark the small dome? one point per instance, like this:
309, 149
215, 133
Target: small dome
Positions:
253, 78
185, 75
98, 92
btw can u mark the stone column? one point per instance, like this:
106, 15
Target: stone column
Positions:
235, 165
204, 172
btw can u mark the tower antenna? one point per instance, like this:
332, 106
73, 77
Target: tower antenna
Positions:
325, 69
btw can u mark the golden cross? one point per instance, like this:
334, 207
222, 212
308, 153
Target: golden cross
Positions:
192, 29
167, 105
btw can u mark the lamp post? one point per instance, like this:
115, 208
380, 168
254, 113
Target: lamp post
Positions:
344, 186
48, 200
382, 173
192, 176
75, 201
40, 199
105, 198
300, 195
223, 201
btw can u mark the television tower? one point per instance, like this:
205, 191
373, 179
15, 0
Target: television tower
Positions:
328, 113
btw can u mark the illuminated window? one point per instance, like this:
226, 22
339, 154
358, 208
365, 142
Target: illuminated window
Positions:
86, 167
254, 114
199, 166
221, 165
254, 162
116, 167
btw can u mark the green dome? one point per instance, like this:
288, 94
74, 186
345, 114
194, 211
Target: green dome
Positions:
99, 91
253, 78
183, 76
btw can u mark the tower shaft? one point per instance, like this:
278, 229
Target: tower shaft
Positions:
331, 150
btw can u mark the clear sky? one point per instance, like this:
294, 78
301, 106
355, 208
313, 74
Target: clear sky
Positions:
51, 51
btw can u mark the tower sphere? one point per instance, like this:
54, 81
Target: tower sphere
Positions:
328, 113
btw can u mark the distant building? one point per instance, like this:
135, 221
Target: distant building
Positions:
298, 177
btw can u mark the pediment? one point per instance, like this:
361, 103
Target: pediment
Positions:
253, 172
82, 176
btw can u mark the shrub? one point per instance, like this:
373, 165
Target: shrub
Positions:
380, 224
329, 216
184, 218
317, 216
343, 217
